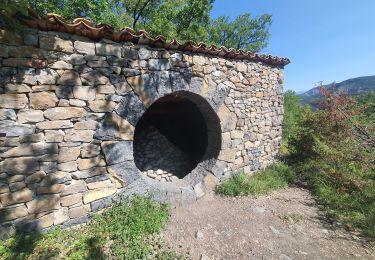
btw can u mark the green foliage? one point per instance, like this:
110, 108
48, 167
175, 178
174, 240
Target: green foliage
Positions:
121, 232
244, 32
175, 19
326, 149
274, 177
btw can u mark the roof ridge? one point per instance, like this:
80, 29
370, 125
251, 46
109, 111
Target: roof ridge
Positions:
83, 27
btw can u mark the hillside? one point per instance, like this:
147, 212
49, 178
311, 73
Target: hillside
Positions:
355, 86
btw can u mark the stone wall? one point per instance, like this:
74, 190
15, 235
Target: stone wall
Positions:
69, 107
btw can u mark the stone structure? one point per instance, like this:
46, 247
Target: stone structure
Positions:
72, 111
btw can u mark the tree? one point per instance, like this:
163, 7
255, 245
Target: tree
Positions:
175, 19
243, 33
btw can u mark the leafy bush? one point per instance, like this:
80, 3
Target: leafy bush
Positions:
332, 149
274, 177
122, 232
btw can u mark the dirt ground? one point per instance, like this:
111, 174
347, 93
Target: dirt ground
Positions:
286, 224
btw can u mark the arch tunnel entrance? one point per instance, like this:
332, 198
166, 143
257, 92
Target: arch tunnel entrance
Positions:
174, 135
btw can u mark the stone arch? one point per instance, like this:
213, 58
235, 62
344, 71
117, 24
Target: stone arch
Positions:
177, 134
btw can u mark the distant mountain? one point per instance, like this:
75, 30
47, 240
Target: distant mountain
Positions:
354, 87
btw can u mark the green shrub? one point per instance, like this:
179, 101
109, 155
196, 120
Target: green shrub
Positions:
120, 232
274, 177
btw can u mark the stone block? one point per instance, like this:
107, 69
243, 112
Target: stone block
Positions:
16, 101
35, 177
78, 211
93, 195
67, 154
54, 43
7, 114
84, 92
108, 49
30, 116
85, 47
60, 216
90, 150
91, 172
64, 92
67, 166
144, 53
77, 103
56, 124
15, 186
159, 64
33, 138
75, 187
10, 128
31, 149
69, 78
51, 189
58, 113
71, 199
8, 214
17, 88
84, 164
42, 100
131, 108
46, 76
102, 106
4, 188
43, 203
21, 165
73, 135
114, 127
93, 78
127, 172
117, 151
58, 177
15, 178
100, 184
61, 65
86, 125
54, 136
24, 195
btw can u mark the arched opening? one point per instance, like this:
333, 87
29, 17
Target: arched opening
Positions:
174, 135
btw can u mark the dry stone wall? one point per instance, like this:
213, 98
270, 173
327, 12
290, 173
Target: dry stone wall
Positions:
69, 106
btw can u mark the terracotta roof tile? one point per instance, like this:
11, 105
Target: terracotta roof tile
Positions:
83, 27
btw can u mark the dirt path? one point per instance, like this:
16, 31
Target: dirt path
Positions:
284, 225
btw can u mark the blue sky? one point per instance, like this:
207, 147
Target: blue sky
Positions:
326, 40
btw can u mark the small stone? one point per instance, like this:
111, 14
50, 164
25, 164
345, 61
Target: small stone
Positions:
90, 150
93, 78
16, 186
199, 235
84, 164
54, 136
274, 230
54, 43
46, 76
144, 54
99, 185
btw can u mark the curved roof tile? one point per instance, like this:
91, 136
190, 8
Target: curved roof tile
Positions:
83, 27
